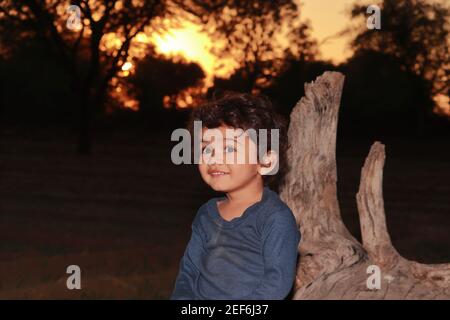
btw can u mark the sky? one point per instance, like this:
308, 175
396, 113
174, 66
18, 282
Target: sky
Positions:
327, 18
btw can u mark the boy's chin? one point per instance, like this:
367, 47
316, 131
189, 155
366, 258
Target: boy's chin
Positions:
219, 188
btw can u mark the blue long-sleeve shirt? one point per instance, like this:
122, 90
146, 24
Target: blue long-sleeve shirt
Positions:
253, 256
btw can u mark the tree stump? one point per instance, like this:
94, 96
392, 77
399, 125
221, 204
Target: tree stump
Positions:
333, 264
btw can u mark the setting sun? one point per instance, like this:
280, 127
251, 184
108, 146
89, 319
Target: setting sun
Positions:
187, 42
190, 43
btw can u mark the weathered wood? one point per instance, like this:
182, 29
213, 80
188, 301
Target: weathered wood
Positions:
333, 264
375, 237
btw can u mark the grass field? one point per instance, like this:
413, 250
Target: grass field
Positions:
123, 214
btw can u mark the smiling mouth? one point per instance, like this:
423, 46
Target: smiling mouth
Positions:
217, 173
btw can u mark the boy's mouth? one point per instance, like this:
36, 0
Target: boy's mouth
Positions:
217, 173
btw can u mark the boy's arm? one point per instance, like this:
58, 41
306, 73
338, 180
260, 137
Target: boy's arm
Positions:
280, 242
188, 271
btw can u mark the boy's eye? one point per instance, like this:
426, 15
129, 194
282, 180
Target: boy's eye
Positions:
206, 150
229, 149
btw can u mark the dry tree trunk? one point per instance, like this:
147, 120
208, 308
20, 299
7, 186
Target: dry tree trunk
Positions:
333, 264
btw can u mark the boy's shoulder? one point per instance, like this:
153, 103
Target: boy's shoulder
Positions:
275, 207
203, 211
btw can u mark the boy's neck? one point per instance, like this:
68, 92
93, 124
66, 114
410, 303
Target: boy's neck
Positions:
250, 193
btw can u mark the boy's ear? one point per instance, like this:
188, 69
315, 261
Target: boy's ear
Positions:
269, 164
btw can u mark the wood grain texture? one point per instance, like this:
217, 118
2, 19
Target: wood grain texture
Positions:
333, 264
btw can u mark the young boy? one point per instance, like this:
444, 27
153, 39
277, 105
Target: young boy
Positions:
243, 245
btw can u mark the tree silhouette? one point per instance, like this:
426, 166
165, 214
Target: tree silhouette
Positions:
415, 33
157, 77
378, 96
258, 35
252, 29
89, 67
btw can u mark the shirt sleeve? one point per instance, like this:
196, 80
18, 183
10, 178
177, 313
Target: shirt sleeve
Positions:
188, 271
280, 238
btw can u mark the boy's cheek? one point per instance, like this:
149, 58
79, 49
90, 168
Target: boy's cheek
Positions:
203, 171
201, 168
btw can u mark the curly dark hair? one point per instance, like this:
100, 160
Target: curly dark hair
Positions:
246, 111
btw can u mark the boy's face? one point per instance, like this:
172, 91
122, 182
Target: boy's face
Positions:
228, 158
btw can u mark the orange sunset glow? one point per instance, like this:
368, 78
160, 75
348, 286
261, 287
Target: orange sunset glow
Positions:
186, 41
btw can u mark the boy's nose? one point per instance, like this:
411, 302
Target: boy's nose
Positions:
215, 158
